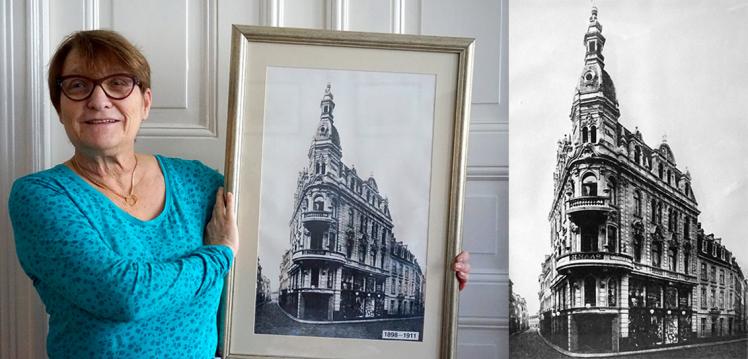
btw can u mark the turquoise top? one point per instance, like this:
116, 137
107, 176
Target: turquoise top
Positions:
116, 286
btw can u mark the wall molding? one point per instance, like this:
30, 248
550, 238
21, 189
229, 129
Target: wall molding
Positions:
39, 105
7, 156
207, 126
336, 15
271, 12
487, 173
397, 16
91, 15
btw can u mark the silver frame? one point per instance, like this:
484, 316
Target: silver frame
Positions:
462, 47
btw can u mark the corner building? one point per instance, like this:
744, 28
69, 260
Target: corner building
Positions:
344, 261
622, 274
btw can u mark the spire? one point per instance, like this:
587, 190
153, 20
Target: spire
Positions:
594, 78
326, 130
594, 40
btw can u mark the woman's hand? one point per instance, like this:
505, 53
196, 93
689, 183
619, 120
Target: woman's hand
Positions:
222, 228
461, 266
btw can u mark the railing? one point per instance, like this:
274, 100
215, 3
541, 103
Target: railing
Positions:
601, 259
588, 201
317, 215
321, 254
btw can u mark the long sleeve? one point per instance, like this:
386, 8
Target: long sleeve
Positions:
59, 247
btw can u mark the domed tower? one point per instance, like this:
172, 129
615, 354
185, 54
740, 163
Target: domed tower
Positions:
595, 104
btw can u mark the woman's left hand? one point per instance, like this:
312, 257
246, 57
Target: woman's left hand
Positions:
461, 266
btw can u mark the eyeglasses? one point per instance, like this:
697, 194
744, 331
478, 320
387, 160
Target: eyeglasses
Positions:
79, 88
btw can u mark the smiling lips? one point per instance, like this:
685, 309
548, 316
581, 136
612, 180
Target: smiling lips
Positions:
100, 121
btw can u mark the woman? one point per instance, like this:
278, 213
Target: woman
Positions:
123, 247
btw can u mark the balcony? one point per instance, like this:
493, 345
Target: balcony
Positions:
318, 255
593, 259
588, 208
317, 220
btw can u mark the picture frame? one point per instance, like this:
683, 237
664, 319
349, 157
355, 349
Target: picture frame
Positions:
335, 263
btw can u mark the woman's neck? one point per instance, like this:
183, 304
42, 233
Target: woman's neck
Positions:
104, 165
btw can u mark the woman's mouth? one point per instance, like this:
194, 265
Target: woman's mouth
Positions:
101, 121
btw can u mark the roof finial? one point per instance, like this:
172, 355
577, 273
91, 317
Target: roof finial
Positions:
664, 138
594, 11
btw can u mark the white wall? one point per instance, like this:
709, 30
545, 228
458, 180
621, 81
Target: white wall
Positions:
188, 119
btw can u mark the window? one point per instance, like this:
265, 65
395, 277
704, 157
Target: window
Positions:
686, 261
703, 298
637, 203
590, 292
612, 293
319, 203
687, 228
673, 259
659, 212
612, 191
713, 275
593, 134
584, 135
712, 299
722, 299
637, 155
589, 185
703, 271
637, 248
660, 170
669, 176
722, 276
654, 211
656, 253
612, 239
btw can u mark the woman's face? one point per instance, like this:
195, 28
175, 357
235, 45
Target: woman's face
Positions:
99, 124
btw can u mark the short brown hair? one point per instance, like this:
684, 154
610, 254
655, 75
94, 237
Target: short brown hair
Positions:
98, 49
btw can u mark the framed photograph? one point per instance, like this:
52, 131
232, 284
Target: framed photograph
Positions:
347, 154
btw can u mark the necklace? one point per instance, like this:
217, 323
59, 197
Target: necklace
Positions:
130, 199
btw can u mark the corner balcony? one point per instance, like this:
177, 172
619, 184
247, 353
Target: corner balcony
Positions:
317, 255
593, 259
316, 221
588, 208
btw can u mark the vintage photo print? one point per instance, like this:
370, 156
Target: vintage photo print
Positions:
344, 204
628, 178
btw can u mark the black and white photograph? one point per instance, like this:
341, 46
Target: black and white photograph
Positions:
628, 179
344, 204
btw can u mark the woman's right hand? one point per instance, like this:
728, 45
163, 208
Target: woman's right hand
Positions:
222, 228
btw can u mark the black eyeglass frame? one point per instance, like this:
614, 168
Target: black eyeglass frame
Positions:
98, 82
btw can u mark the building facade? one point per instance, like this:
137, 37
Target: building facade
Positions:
344, 260
720, 309
624, 230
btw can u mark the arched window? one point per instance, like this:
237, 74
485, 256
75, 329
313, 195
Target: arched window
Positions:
654, 211
590, 291
637, 203
319, 203
612, 191
657, 253
673, 259
612, 293
593, 134
589, 185
612, 239
659, 212
584, 135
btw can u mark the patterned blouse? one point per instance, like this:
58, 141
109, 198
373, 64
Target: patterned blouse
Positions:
115, 286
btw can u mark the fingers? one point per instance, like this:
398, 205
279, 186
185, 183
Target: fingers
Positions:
464, 256
230, 207
220, 206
